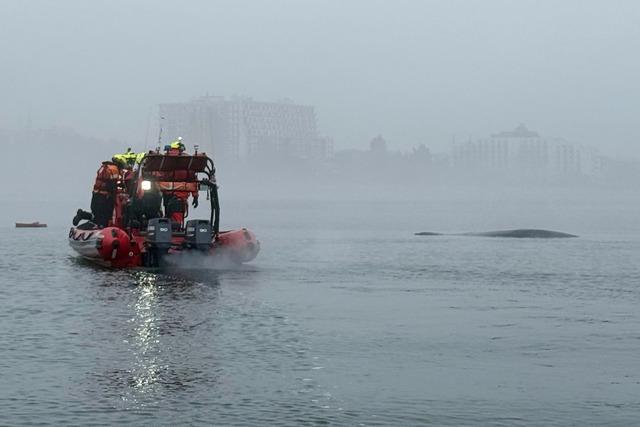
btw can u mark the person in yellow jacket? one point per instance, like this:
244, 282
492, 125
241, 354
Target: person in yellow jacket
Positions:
125, 160
175, 147
128, 159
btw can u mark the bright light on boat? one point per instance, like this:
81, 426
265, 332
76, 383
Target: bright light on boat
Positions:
146, 185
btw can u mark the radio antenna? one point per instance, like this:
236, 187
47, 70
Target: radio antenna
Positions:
160, 133
146, 135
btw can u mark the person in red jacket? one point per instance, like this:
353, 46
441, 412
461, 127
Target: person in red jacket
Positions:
103, 196
104, 191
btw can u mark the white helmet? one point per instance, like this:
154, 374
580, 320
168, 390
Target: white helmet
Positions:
179, 138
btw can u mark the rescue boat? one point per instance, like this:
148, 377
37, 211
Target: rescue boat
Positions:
133, 241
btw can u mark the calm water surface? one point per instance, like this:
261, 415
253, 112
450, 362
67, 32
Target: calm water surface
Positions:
345, 318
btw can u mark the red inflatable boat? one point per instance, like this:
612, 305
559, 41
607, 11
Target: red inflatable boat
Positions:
134, 237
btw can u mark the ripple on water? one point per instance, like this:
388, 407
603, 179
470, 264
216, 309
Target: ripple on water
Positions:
336, 330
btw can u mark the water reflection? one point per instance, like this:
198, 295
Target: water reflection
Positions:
146, 338
173, 344
166, 312
149, 349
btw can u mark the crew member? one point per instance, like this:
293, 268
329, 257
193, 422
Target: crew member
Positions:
175, 147
124, 160
127, 159
175, 196
177, 186
102, 199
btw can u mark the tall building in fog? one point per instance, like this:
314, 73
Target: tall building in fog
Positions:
524, 152
241, 128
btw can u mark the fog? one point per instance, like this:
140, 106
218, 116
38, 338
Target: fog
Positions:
340, 130
83, 80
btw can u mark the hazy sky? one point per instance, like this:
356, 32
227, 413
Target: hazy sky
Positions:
414, 71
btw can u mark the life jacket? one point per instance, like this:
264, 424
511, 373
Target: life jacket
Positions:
106, 179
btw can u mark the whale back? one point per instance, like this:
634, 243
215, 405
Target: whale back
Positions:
520, 233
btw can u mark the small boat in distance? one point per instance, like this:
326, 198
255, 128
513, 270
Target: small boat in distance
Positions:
30, 225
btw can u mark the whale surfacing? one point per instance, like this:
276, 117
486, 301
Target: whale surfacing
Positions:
520, 233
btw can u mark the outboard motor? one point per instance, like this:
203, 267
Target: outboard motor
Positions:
157, 240
198, 234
